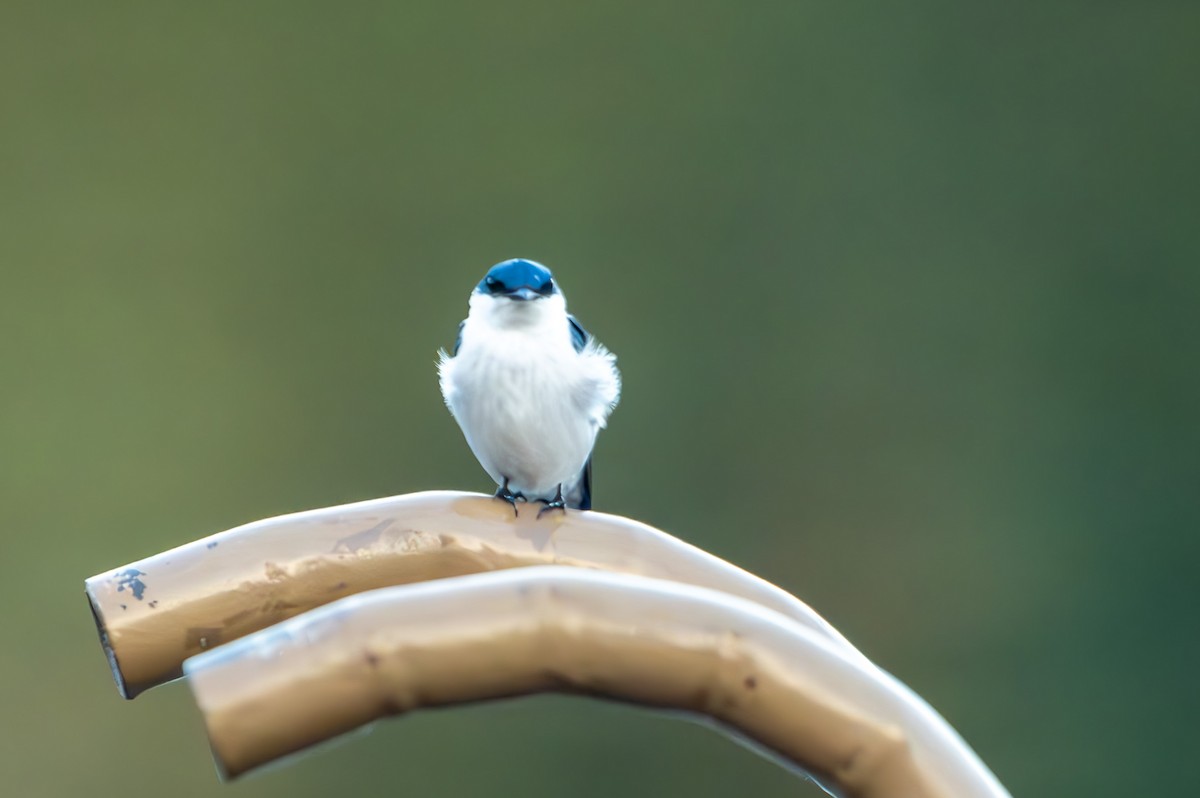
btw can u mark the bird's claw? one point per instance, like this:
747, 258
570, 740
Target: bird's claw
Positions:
556, 503
507, 495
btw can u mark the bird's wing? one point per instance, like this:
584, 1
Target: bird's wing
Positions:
579, 336
580, 495
458, 338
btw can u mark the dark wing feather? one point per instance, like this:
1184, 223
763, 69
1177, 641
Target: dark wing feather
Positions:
579, 336
458, 338
580, 495
581, 492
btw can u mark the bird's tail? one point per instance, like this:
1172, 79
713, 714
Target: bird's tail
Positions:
579, 495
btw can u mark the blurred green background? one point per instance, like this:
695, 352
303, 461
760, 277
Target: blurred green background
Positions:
905, 300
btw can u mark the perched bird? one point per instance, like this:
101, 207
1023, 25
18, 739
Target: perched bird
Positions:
529, 387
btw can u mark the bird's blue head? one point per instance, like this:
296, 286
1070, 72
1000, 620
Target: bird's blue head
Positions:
518, 279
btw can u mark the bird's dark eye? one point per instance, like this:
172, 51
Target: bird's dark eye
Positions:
547, 287
492, 284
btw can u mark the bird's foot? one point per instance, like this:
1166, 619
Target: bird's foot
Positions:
507, 495
556, 503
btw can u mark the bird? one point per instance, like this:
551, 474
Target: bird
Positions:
529, 387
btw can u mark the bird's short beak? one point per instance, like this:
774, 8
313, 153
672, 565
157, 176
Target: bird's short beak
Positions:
523, 292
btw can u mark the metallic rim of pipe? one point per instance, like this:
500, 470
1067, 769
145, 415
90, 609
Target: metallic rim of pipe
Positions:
154, 613
646, 641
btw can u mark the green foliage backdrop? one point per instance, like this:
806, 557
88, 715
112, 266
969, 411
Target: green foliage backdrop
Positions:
905, 299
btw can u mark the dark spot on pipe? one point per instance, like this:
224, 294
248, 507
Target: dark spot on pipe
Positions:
124, 607
129, 579
153, 604
339, 586
372, 659
750, 682
212, 545
851, 760
557, 679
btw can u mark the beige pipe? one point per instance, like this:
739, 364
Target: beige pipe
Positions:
645, 641
154, 613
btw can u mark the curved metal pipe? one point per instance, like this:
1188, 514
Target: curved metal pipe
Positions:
646, 641
154, 613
